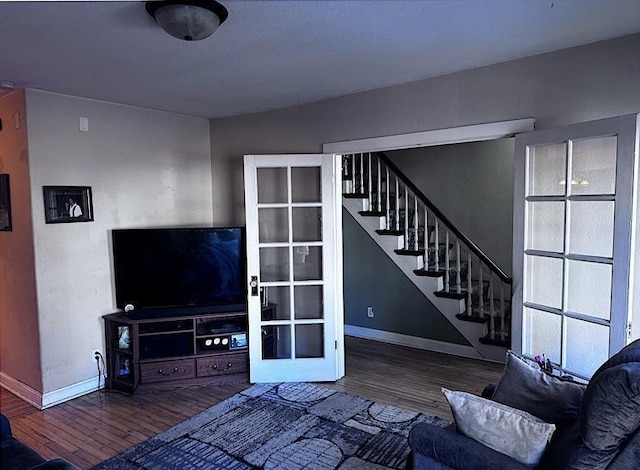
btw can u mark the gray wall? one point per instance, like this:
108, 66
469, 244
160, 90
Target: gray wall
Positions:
472, 184
573, 85
373, 280
146, 169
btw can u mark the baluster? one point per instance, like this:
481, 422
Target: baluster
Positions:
379, 198
416, 222
397, 208
447, 261
458, 274
426, 238
481, 290
436, 250
502, 313
406, 218
361, 189
352, 160
492, 318
469, 286
369, 185
387, 199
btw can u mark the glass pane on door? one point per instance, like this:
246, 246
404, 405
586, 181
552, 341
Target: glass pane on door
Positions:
544, 333
547, 170
276, 342
306, 184
589, 289
587, 346
274, 264
593, 169
275, 303
591, 228
544, 281
273, 225
310, 340
272, 185
546, 226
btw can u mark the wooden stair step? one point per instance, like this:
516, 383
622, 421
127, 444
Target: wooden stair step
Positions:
403, 252
450, 295
397, 233
429, 272
472, 318
355, 195
372, 213
505, 343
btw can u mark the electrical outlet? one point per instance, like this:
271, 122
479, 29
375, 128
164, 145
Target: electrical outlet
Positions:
95, 354
370, 312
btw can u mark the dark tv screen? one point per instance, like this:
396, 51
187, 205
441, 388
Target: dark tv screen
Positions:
185, 267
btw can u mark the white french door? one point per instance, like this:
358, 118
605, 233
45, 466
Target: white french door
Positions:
574, 229
294, 267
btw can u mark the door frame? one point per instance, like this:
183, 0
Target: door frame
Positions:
453, 135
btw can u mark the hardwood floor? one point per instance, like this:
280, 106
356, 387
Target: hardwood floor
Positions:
92, 428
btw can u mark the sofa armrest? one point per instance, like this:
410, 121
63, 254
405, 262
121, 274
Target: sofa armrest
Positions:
456, 451
5, 427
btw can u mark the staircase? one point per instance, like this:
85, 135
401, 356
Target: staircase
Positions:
448, 268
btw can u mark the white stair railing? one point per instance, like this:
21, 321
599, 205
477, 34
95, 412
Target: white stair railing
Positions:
468, 273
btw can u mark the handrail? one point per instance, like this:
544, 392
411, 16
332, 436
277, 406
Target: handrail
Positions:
427, 202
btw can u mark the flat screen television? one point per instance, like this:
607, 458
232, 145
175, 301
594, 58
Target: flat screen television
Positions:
171, 270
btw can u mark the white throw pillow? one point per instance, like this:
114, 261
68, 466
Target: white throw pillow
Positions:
507, 430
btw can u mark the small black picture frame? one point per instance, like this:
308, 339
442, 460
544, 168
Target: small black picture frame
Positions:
5, 204
64, 204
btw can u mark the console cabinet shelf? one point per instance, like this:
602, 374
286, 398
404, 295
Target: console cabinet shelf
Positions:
194, 348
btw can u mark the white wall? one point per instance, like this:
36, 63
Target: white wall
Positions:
146, 168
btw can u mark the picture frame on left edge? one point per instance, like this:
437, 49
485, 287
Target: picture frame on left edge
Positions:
65, 204
5, 204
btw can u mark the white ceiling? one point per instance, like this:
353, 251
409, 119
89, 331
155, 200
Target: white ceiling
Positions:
275, 54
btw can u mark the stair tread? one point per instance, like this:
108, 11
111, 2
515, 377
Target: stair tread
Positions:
505, 343
371, 213
472, 318
397, 233
355, 195
403, 252
450, 295
429, 272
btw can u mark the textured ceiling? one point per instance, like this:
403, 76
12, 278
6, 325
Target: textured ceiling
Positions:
275, 54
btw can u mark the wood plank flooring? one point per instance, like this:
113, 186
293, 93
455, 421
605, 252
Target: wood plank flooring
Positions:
92, 428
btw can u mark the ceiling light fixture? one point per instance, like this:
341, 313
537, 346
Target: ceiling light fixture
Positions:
190, 20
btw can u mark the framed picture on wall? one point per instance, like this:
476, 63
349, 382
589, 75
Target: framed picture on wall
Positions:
5, 203
64, 204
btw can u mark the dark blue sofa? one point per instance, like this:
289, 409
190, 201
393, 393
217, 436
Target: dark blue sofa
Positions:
16, 455
603, 434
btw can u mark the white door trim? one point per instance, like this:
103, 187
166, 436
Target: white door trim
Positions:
453, 135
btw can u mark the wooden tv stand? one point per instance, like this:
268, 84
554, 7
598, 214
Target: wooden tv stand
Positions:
203, 347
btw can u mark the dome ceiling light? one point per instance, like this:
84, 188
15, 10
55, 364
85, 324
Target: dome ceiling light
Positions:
190, 20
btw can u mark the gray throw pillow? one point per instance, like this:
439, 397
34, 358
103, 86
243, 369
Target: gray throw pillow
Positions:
507, 430
528, 388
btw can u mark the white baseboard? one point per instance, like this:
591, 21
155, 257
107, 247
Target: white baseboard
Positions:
47, 400
21, 390
412, 341
71, 391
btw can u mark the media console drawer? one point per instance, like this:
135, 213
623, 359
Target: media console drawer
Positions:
223, 364
167, 370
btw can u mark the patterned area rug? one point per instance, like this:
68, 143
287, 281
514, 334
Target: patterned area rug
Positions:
285, 426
